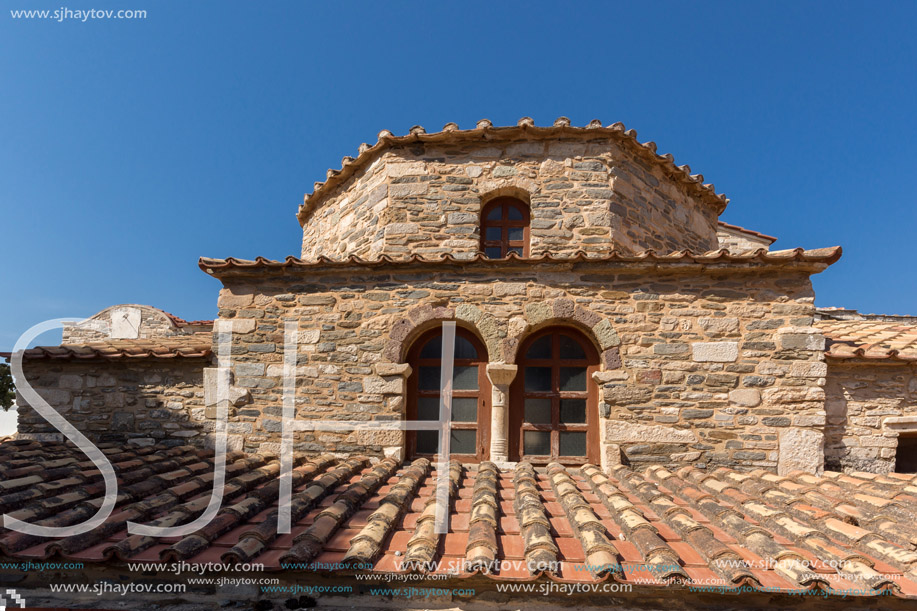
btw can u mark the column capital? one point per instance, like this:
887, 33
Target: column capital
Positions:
501, 374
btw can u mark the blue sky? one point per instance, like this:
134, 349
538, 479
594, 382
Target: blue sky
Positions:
129, 148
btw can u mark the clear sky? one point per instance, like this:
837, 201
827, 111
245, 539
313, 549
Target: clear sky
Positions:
129, 148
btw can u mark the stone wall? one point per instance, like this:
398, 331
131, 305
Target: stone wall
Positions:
128, 321
136, 400
868, 405
712, 367
590, 195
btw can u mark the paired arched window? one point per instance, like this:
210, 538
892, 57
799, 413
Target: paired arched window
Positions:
554, 403
470, 437
553, 407
505, 228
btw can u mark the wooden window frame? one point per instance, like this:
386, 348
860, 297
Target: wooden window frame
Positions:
504, 223
482, 394
518, 394
906, 450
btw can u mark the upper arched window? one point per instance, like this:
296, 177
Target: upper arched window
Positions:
505, 228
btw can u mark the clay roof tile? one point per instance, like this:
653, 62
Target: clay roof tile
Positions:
660, 529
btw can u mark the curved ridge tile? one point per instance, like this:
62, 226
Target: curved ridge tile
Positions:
308, 544
255, 540
227, 517
810, 534
540, 550
366, 546
787, 563
719, 558
660, 557
422, 545
602, 558
481, 550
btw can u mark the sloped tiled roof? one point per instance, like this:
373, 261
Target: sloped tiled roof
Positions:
181, 322
750, 232
193, 345
822, 256
655, 529
869, 339
524, 129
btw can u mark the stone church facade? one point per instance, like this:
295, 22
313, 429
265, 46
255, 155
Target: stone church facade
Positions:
603, 314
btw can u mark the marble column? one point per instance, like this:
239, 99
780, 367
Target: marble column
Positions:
500, 376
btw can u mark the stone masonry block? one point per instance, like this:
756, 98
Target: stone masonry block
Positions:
606, 334
715, 352
618, 431
537, 313
811, 369
801, 450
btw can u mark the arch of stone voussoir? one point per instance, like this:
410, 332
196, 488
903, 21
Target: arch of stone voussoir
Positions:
518, 187
424, 317
566, 312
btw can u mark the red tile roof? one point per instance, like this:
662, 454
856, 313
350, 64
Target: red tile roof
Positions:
181, 322
524, 129
869, 339
819, 256
750, 232
193, 345
664, 529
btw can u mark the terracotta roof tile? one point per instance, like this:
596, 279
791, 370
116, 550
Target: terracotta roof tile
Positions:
192, 345
181, 322
669, 529
751, 232
524, 129
818, 257
869, 339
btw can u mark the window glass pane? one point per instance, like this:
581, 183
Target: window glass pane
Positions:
538, 378
540, 349
493, 252
570, 348
573, 411
432, 349
515, 214
428, 378
464, 349
427, 442
428, 408
537, 443
493, 233
464, 409
538, 411
572, 443
465, 378
572, 378
495, 213
463, 441
516, 233
515, 249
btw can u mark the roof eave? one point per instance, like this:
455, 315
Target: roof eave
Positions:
813, 261
484, 130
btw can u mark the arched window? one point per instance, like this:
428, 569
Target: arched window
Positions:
470, 439
554, 402
505, 228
